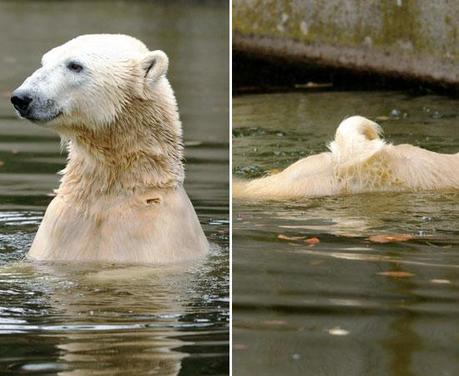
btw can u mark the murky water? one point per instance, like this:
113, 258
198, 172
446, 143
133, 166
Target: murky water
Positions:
106, 320
345, 305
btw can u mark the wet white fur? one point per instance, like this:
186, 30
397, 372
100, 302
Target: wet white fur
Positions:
121, 197
358, 161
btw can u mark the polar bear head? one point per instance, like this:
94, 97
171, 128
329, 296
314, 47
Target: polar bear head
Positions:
90, 80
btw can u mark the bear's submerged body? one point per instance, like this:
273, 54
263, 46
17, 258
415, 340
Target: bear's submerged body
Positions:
121, 197
359, 161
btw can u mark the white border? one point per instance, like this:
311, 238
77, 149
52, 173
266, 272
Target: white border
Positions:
230, 186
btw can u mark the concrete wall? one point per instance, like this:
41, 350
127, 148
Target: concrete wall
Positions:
415, 39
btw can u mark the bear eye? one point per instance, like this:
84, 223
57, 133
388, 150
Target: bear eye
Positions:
75, 67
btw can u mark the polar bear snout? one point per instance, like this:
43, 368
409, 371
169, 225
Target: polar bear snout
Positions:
21, 102
33, 107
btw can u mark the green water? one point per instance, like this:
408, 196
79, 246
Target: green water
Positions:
344, 306
107, 320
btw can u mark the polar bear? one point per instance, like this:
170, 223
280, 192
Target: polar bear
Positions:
121, 196
358, 161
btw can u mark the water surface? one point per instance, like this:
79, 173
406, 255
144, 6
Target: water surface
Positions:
104, 319
342, 304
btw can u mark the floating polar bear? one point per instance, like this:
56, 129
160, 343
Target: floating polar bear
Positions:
121, 197
359, 161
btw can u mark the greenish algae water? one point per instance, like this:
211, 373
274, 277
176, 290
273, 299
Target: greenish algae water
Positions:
345, 305
107, 319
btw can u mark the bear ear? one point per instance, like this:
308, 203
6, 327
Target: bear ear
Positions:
154, 65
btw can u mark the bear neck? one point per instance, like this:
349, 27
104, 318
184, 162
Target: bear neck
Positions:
140, 151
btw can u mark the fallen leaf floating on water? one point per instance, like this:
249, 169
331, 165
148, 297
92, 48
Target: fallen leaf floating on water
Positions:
394, 274
390, 238
285, 237
312, 241
275, 322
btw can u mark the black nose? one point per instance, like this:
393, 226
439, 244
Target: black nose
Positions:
21, 102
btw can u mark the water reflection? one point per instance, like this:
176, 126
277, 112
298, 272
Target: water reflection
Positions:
77, 320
